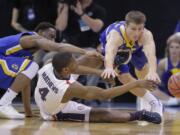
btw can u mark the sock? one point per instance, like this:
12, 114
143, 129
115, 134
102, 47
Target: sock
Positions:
8, 97
148, 97
154, 104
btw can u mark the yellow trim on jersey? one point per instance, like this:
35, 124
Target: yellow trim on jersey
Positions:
13, 49
11, 73
175, 70
129, 44
6, 70
24, 65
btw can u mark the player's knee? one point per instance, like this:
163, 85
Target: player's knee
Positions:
31, 71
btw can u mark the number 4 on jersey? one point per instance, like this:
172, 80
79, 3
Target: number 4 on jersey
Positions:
43, 92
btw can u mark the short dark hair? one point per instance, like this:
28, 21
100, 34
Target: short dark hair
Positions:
136, 17
61, 60
43, 26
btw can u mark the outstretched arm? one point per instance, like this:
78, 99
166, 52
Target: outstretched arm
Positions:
150, 52
92, 92
113, 42
33, 41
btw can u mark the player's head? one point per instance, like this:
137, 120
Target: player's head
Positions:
64, 63
135, 21
46, 30
173, 45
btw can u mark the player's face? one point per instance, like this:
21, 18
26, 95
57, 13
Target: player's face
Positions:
49, 34
134, 31
174, 49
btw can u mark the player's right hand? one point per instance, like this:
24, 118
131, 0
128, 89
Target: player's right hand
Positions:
109, 72
148, 84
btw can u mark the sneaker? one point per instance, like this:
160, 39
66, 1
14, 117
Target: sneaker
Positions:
156, 106
8, 112
153, 117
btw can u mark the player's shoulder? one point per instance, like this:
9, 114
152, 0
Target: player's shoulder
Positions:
48, 68
147, 33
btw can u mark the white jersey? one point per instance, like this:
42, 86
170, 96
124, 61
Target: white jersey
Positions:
50, 90
49, 93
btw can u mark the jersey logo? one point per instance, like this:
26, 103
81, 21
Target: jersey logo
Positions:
15, 66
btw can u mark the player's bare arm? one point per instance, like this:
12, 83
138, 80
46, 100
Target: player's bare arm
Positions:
92, 92
40, 42
149, 50
161, 67
114, 40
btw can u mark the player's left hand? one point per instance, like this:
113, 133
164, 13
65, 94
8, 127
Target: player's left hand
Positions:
153, 76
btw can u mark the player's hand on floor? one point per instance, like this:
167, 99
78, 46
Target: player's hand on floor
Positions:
148, 84
31, 114
108, 73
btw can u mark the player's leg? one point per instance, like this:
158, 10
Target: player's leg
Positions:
23, 72
126, 77
117, 116
78, 112
155, 105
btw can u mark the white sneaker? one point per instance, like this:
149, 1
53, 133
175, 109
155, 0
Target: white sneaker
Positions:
156, 106
153, 106
8, 112
142, 104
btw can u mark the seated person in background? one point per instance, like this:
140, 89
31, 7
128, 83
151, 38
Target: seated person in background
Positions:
56, 88
168, 66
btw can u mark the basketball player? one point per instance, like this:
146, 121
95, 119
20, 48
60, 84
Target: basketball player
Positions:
126, 41
17, 68
55, 89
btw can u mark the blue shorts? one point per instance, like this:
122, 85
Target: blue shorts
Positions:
10, 67
138, 60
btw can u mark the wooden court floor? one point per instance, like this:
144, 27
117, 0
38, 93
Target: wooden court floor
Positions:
35, 126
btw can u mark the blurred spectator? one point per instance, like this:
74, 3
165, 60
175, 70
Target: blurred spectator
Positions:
23, 15
27, 14
168, 66
80, 22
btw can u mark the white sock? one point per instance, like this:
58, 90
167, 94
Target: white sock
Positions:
148, 97
8, 97
154, 103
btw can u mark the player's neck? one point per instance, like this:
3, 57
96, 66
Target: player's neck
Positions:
175, 59
61, 76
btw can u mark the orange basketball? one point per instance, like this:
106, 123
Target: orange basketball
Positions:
174, 85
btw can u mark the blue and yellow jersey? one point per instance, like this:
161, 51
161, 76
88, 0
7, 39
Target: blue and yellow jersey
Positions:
138, 57
169, 70
10, 46
13, 59
120, 28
